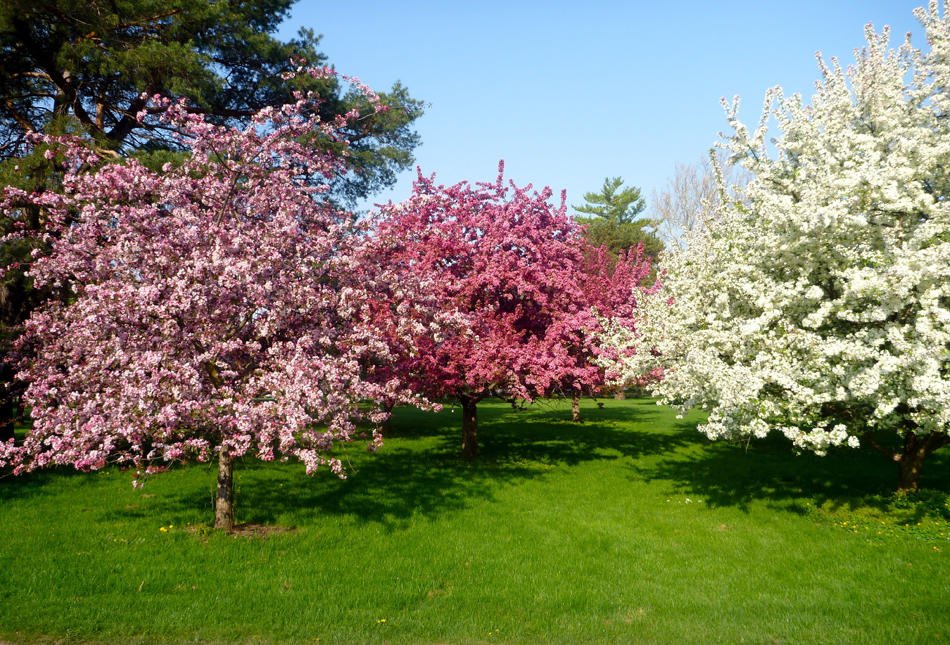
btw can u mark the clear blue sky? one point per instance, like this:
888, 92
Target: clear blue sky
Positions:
568, 93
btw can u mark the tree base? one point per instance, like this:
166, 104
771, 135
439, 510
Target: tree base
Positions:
224, 496
469, 427
910, 462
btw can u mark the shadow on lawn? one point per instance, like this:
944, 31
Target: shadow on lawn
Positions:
403, 481
420, 472
548, 436
732, 474
41, 482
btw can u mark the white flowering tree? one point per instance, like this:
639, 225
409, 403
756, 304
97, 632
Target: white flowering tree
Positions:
819, 306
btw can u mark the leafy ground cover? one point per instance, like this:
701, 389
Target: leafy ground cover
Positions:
628, 527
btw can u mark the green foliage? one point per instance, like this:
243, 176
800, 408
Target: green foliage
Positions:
620, 236
17, 295
612, 203
615, 224
629, 528
156, 159
91, 62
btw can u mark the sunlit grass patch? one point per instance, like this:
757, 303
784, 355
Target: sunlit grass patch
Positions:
628, 527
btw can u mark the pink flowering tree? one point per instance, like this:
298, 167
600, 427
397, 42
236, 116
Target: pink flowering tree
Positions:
505, 263
217, 308
612, 282
615, 288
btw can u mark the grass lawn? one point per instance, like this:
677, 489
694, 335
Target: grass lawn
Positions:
630, 527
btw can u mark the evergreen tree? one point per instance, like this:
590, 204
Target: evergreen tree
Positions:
89, 66
612, 203
615, 222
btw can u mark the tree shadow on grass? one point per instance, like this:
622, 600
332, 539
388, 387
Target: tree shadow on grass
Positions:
30, 485
609, 411
568, 444
543, 432
420, 472
41, 483
734, 474
405, 481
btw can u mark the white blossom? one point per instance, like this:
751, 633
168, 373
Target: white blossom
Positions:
819, 305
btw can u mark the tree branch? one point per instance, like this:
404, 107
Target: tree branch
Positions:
129, 119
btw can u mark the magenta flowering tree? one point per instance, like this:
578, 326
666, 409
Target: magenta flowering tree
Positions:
505, 263
612, 284
217, 306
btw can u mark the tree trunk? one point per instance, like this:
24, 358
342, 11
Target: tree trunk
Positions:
8, 410
911, 460
386, 425
10, 392
469, 426
619, 394
576, 408
224, 499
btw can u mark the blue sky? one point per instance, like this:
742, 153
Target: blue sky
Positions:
569, 93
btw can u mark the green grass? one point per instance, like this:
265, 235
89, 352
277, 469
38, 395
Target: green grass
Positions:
628, 528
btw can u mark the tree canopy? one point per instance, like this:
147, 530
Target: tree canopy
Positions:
692, 198
614, 224
614, 202
89, 67
217, 308
817, 307
508, 263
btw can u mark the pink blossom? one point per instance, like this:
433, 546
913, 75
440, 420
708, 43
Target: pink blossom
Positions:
215, 304
501, 264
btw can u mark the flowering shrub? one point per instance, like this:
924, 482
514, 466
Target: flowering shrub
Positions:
819, 306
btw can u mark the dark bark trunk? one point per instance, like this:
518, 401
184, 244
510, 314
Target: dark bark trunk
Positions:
576, 408
8, 410
224, 498
386, 425
911, 461
11, 392
469, 426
